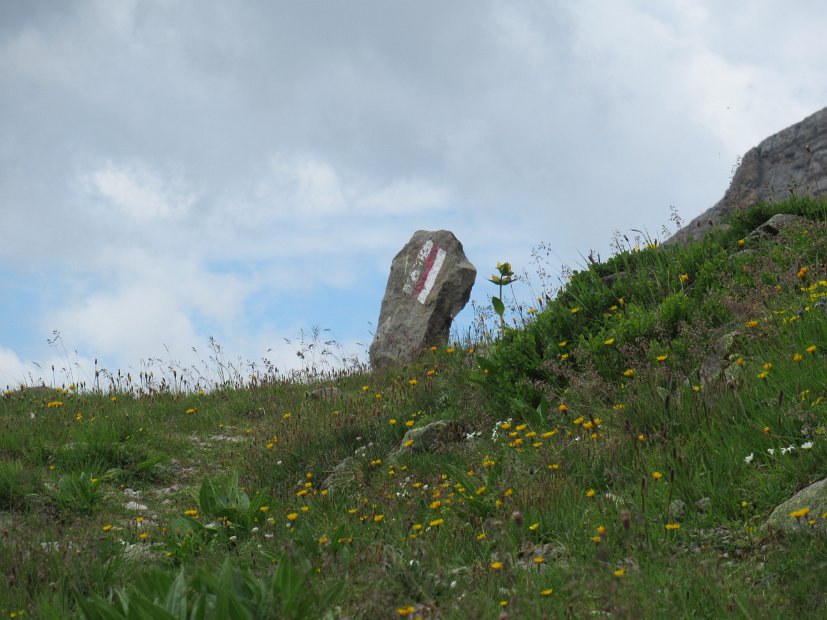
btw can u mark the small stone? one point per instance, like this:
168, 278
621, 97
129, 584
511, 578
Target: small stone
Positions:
677, 509
704, 505
135, 506
325, 393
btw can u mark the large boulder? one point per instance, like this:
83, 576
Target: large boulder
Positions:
791, 162
429, 283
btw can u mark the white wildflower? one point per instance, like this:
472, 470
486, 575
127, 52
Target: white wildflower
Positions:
771, 451
748, 459
807, 445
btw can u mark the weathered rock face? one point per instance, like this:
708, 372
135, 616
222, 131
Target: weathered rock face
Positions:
429, 283
791, 162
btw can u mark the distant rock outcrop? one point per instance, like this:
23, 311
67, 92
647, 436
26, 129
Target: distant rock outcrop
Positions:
791, 162
429, 283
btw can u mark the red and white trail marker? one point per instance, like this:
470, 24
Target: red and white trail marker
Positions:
425, 270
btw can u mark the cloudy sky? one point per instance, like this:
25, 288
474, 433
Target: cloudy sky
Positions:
175, 170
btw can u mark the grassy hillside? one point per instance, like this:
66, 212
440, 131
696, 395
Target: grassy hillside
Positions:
615, 454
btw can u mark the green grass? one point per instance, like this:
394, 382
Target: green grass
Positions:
662, 387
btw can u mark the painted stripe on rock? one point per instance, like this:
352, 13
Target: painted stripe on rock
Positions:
416, 271
432, 273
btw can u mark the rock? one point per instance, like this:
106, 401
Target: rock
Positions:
677, 510
550, 552
791, 162
718, 362
430, 282
429, 438
704, 505
135, 506
776, 224
325, 393
344, 473
814, 498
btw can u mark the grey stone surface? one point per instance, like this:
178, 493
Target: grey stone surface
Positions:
429, 283
325, 393
429, 438
813, 497
790, 162
776, 224
343, 474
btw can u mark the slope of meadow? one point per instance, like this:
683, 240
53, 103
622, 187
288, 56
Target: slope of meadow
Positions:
616, 453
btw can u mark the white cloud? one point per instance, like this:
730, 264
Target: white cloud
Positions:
131, 323
14, 372
56, 368
139, 193
296, 185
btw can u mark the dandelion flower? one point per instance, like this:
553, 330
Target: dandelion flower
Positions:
378, 518
802, 272
797, 514
619, 572
609, 342
496, 565
672, 526
547, 592
661, 358
590, 493
684, 277
436, 522
657, 475
106, 527
292, 516
751, 324
797, 357
629, 373
811, 349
